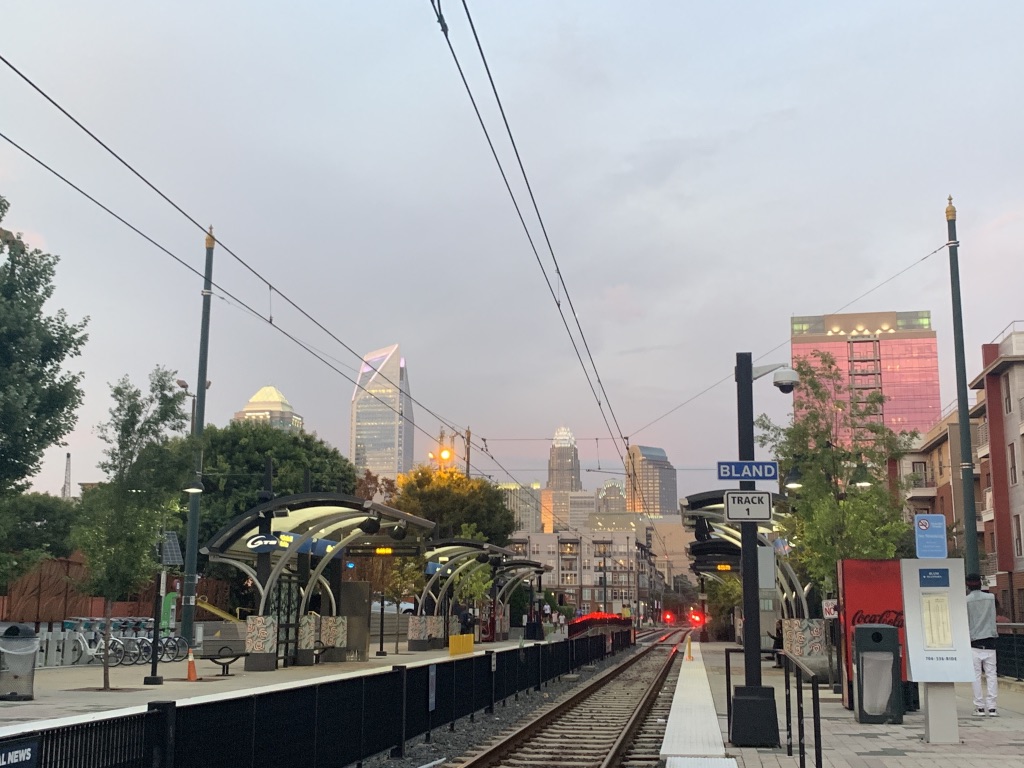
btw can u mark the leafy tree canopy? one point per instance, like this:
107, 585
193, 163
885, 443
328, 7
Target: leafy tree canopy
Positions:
33, 526
119, 522
452, 500
848, 505
234, 462
38, 398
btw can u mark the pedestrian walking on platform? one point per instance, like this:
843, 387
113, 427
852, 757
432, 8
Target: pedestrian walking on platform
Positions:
981, 622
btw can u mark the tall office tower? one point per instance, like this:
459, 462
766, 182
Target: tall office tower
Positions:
564, 462
611, 498
381, 433
894, 353
524, 504
582, 505
650, 482
269, 406
563, 476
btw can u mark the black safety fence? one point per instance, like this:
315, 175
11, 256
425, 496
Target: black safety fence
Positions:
1010, 651
321, 725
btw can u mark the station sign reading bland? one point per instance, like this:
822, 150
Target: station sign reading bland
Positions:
748, 470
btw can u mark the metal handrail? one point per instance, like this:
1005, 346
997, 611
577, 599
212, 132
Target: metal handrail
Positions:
801, 670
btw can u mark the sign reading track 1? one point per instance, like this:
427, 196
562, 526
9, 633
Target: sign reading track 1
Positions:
747, 506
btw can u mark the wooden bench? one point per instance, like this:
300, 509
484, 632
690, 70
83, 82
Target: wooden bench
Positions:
225, 646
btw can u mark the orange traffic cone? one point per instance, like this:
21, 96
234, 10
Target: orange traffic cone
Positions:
192, 676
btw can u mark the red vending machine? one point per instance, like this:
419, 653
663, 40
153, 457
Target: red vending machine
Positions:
870, 592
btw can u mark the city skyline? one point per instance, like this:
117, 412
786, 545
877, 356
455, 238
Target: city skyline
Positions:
382, 431
663, 203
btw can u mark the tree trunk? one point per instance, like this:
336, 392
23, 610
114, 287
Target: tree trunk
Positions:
108, 611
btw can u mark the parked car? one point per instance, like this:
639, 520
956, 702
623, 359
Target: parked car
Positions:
389, 607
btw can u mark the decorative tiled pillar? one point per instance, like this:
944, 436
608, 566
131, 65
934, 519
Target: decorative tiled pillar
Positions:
309, 637
419, 639
261, 644
435, 632
334, 636
805, 639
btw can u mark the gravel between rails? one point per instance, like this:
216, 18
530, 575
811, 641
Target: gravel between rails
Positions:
448, 746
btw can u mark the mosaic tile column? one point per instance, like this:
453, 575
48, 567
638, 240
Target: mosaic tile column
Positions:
261, 643
419, 639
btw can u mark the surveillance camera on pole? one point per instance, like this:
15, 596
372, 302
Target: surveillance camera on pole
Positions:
786, 380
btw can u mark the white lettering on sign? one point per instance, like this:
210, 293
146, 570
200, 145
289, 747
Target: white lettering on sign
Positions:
21, 756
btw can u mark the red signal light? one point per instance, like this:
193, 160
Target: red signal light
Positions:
667, 617
697, 619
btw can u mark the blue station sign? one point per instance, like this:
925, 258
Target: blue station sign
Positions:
748, 470
930, 536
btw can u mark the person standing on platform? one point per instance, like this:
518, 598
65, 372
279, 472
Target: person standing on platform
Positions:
981, 622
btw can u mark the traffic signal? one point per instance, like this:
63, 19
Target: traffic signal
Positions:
697, 619
667, 617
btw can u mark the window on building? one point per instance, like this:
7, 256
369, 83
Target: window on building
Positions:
1007, 402
1018, 546
1011, 458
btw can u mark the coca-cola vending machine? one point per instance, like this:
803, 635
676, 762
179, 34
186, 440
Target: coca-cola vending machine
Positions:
870, 592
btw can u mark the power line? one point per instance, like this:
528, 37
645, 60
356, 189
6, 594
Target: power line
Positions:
252, 270
435, 5
787, 341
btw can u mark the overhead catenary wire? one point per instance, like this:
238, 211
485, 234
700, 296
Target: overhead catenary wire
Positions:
602, 399
781, 344
272, 289
225, 294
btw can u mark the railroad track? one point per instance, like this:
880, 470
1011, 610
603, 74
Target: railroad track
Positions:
596, 725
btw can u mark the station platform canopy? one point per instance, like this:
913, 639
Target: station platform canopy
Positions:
322, 520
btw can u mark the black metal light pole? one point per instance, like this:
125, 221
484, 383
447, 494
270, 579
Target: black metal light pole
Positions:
970, 514
382, 652
154, 678
188, 595
754, 720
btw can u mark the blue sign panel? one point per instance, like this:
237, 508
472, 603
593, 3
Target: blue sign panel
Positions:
748, 470
930, 536
933, 577
23, 753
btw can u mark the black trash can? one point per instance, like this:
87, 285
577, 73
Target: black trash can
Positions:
18, 648
879, 688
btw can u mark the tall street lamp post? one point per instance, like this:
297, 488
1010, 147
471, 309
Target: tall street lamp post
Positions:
754, 720
188, 598
963, 409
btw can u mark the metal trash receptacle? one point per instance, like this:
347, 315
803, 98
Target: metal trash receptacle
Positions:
18, 648
879, 688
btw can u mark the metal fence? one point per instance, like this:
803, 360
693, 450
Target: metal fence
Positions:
321, 725
1010, 651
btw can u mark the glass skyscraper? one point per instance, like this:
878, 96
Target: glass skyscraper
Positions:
895, 353
381, 433
650, 482
563, 479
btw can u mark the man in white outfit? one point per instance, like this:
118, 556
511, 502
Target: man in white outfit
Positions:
981, 621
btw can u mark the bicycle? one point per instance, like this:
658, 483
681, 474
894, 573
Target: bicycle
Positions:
98, 649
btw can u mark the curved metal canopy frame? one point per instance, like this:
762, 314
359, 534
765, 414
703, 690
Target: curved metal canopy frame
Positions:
446, 567
444, 584
245, 568
515, 580
296, 544
322, 566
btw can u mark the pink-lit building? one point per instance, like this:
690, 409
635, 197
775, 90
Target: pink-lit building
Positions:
894, 353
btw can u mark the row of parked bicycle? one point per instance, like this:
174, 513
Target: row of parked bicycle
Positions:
131, 642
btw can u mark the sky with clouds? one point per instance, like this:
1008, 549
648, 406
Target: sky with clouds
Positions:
705, 172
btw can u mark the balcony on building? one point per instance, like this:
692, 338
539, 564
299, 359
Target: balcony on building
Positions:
989, 565
921, 487
983, 449
1020, 418
988, 512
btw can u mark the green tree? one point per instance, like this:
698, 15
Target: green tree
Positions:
234, 462
404, 579
451, 500
371, 486
848, 506
33, 526
38, 398
723, 597
119, 521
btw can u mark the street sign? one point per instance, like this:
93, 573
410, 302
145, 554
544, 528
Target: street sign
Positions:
830, 609
930, 536
746, 506
748, 470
